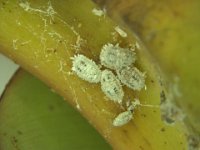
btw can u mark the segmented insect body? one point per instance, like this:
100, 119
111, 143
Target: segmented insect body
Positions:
111, 86
115, 57
123, 118
132, 77
86, 69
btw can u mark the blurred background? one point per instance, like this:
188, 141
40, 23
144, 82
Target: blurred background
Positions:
8, 68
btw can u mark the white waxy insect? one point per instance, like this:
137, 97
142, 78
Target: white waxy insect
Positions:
121, 32
86, 69
132, 77
115, 57
99, 12
111, 86
123, 118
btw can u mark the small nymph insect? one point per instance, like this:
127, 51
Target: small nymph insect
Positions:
132, 77
123, 118
111, 86
115, 57
86, 69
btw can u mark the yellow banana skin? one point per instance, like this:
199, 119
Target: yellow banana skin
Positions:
42, 36
170, 30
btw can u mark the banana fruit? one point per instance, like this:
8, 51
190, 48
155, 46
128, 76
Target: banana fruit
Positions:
33, 117
170, 30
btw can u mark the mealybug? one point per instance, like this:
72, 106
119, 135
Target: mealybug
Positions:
115, 57
86, 69
111, 86
123, 118
132, 77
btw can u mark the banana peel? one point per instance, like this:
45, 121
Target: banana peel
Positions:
170, 30
42, 36
34, 117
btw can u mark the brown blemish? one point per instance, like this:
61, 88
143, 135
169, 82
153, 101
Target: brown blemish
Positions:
51, 107
141, 147
143, 115
162, 97
162, 129
168, 120
14, 139
14, 142
19, 132
3, 3
54, 50
4, 134
125, 131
